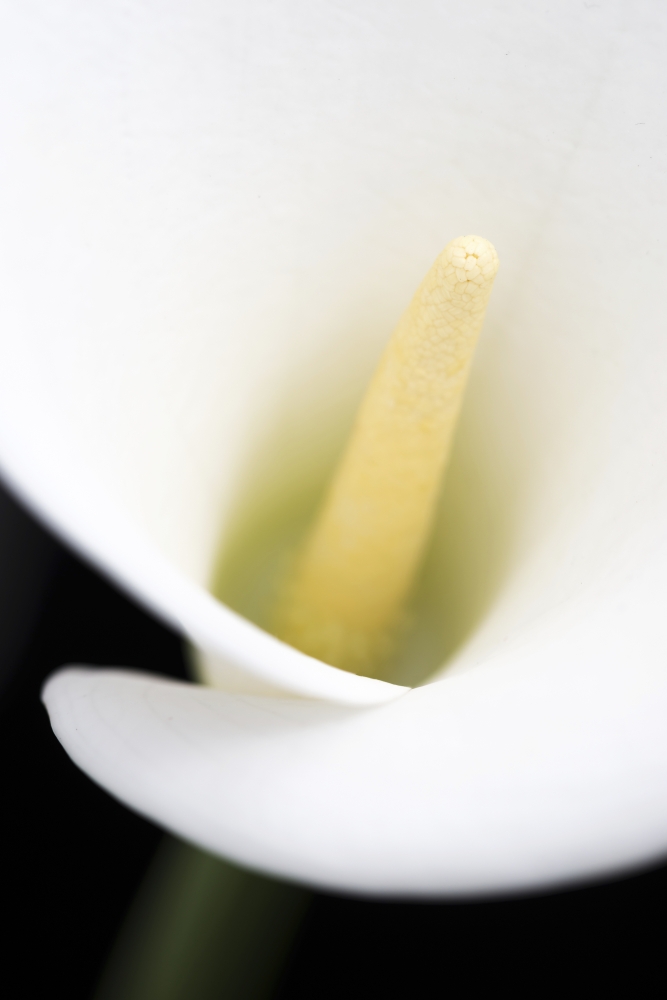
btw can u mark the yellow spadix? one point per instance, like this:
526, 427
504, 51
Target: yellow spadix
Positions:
344, 598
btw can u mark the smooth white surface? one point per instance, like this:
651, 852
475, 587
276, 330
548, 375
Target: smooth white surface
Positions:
403, 799
212, 217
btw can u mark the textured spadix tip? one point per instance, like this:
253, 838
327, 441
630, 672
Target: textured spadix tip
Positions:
470, 259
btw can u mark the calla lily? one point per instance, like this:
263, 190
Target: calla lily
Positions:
213, 218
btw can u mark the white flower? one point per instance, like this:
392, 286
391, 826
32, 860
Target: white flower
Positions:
212, 216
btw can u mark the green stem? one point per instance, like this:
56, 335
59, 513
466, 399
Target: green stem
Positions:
202, 929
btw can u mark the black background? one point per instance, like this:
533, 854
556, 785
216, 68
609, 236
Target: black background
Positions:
73, 858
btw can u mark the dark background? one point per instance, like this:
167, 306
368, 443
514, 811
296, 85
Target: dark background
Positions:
73, 858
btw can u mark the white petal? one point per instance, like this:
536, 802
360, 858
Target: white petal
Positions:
406, 798
212, 217
206, 242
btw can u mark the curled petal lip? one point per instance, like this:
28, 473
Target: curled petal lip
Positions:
402, 799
